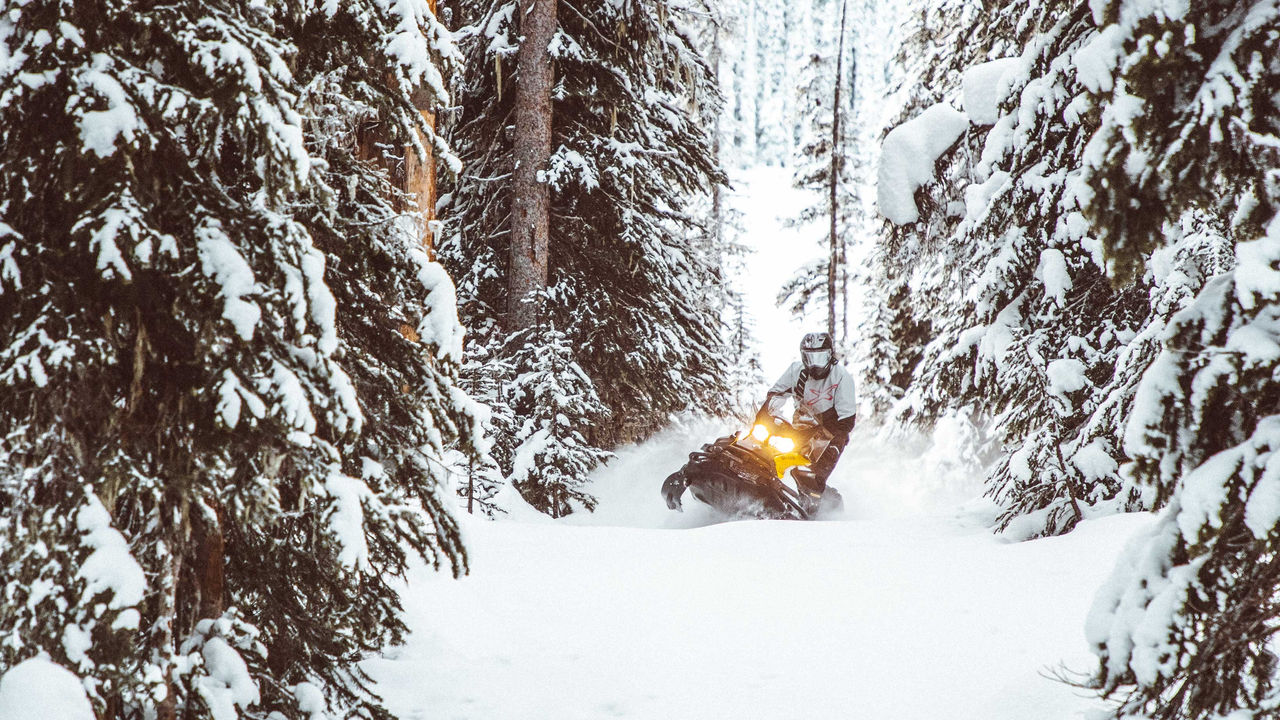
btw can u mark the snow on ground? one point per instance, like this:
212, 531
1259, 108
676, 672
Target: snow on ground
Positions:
904, 608
915, 614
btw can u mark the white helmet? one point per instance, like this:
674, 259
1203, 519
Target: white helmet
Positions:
817, 352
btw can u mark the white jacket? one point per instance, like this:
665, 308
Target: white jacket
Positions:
836, 390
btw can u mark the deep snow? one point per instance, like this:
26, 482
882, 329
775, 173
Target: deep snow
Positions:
904, 608
923, 616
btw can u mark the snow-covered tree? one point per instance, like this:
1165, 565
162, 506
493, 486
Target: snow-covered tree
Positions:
1024, 324
228, 371
631, 157
1188, 124
826, 100
484, 376
556, 403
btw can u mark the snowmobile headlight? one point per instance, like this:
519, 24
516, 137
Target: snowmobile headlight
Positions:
782, 444
760, 433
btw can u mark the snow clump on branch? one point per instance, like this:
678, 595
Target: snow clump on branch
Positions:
908, 156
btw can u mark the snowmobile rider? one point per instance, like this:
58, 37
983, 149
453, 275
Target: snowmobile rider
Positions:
827, 390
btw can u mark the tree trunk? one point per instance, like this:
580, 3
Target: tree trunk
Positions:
167, 709
844, 247
420, 182
834, 256
210, 562
420, 174
531, 198
717, 195
415, 176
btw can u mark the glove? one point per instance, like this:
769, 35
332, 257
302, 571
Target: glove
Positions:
672, 489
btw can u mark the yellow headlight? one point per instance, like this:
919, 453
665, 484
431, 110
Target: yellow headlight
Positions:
760, 433
782, 444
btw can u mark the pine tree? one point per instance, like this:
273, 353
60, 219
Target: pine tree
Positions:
1025, 326
484, 377
556, 402
742, 76
631, 154
228, 371
827, 108
746, 375
1189, 125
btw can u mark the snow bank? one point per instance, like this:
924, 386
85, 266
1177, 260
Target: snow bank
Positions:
984, 87
911, 618
908, 156
38, 688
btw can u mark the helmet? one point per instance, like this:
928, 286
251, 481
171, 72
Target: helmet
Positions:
817, 352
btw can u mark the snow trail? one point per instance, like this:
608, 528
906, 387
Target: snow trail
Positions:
901, 618
905, 608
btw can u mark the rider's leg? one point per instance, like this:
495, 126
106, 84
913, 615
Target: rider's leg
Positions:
825, 464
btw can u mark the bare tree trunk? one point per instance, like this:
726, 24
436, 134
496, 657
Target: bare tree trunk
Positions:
834, 256
420, 182
411, 174
471, 485
844, 247
167, 709
210, 561
420, 174
531, 198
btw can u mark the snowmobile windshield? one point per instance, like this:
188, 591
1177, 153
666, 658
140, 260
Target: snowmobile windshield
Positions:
803, 417
778, 406
814, 359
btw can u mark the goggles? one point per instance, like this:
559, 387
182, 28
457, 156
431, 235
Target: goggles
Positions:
816, 358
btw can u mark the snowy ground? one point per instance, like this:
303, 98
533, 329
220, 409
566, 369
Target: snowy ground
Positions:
905, 608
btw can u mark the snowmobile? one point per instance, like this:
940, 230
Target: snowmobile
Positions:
742, 475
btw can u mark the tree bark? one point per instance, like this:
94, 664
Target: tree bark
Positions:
420, 182
210, 561
416, 175
167, 709
844, 247
420, 174
530, 195
834, 256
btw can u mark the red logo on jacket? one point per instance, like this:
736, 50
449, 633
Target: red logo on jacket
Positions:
818, 396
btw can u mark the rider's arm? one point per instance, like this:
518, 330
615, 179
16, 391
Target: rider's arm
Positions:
837, 425
846, 400
784, 386
841, 417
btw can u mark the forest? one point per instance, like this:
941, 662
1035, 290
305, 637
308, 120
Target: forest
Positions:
338, 338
